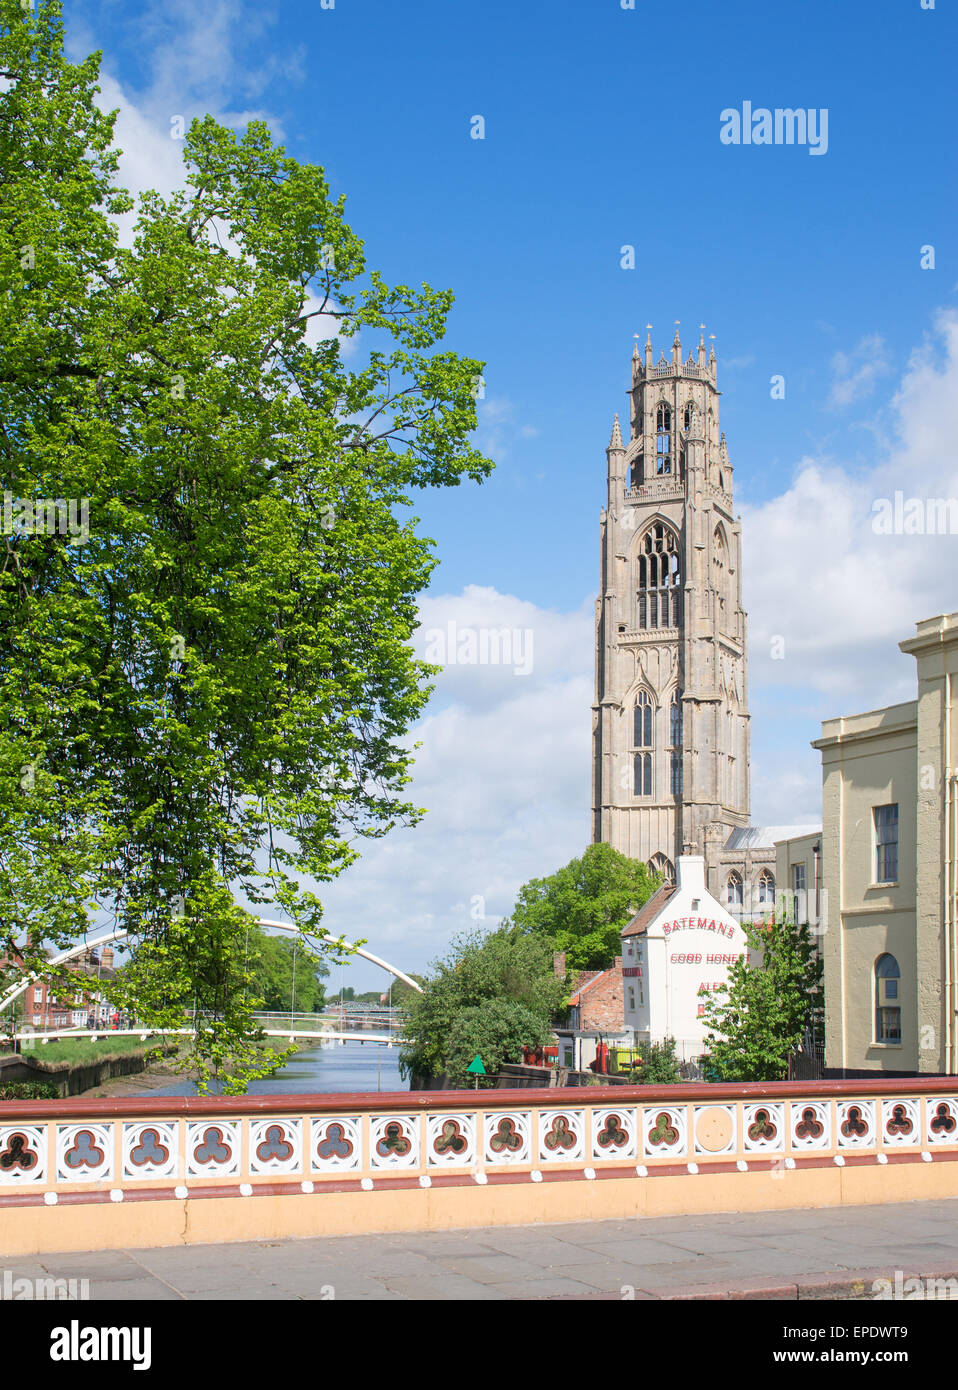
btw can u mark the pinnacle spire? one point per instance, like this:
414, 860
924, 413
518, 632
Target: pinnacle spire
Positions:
616, 440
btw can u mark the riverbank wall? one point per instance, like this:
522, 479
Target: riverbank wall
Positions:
73, 1079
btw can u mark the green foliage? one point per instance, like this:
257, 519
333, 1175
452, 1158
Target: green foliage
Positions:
207, 675
496, 1029
582, 908
29, 1090
505, 968
768, 1005
286, 973
659, 1065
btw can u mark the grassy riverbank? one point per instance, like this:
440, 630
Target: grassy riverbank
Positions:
80, 1052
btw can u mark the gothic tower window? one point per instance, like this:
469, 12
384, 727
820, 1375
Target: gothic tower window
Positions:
689, 412
659, 864
642, 774
675, 721
766, 889
642, 721
637, 474
675, 740
643, 724
733, 890
659, 591
719, 574
730, 759
663, 439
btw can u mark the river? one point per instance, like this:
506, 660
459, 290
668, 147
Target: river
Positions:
331, 1067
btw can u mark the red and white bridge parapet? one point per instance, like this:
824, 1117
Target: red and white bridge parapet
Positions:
85, 1174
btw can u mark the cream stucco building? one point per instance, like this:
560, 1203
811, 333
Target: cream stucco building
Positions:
890, 843
680, 942
670, 762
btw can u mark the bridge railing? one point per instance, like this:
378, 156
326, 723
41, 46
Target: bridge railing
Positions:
195, 1147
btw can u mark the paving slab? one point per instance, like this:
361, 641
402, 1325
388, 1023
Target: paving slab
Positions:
134, 1291
491, 1267
640, 1250
555, 1287
815, 1253
443, 1288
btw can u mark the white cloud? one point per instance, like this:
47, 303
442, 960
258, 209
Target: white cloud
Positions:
504, 772
858, 372
819, 573
197, 60
498, 427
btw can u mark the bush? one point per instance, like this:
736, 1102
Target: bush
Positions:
658, 1065
29, 1090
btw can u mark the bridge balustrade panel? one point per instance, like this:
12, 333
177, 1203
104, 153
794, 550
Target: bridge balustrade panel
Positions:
69, 1150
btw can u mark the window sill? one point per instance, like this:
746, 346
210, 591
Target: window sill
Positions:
892, 883
888, 1046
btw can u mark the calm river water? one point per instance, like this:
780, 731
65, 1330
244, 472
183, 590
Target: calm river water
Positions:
332, 1067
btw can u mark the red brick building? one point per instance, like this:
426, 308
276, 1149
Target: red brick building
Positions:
596, 1013
46, 1006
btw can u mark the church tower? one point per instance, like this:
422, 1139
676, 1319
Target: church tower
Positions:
670, 758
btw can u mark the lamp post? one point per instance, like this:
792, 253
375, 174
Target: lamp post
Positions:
292, 997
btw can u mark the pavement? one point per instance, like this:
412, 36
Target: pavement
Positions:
832, 1253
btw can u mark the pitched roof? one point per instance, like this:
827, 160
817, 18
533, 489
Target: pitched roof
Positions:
586, 984
767, 836
649, 911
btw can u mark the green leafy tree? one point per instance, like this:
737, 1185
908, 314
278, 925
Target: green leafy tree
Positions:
582, 908
286, 974
505, 967
496, 1030
658, 1065
206, 668
771, 1001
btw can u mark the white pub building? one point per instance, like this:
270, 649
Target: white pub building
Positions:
681, 940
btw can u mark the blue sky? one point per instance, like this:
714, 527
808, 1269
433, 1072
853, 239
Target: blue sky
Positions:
602, 131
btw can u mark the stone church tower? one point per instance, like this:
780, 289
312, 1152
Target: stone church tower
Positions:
670, 719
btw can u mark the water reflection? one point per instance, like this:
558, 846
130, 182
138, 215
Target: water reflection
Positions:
333, 1067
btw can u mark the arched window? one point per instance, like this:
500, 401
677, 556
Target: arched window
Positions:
733, 890
719, 573
766, 888
675, 721
642, 774
663, 439
637, 473
675, 742
659, 593
689, 412
887, 1005
643, 737
642, 721
660, 865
